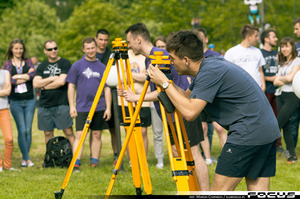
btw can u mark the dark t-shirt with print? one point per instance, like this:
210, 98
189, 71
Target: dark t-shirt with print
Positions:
270, 68
53, 97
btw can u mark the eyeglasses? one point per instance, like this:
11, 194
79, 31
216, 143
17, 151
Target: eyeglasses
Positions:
50, 49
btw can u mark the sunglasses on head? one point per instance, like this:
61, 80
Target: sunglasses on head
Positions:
50, 49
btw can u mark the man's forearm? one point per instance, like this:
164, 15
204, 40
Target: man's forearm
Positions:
108, 97
40, 82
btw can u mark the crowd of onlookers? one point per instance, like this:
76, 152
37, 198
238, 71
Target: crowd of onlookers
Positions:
66, 92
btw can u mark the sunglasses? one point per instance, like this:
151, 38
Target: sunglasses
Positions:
50, 49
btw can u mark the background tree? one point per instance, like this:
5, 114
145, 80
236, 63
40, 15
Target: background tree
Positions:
86, 20
35, 22
64, 8
32, 21
5, 4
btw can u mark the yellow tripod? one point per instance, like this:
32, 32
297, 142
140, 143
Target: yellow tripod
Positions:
136, 145
182, 166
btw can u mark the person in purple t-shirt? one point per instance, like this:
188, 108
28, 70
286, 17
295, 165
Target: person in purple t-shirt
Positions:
86, 75
138, 38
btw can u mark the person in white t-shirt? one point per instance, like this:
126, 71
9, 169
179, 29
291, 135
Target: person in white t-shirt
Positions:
248, 57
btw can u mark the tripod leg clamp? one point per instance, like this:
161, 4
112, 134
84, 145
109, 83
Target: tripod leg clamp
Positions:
115, 171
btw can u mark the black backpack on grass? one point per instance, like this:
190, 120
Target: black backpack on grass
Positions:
58, 152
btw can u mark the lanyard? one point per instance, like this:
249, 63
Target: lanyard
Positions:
20, 70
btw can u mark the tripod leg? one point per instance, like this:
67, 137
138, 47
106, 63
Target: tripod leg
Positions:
59, 194
193, 182
142, 159
129, 133
179, 165
134, 164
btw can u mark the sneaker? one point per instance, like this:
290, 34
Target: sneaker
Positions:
208, 161
160, 165
286, 153
23, 163
76, 169
292, 159
12, 169
30, 164
280, 149
1, 169
94, 165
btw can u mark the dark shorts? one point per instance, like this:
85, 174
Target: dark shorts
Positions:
98, 122
247, 161
205, 117
54, 117
145, 115
194, 131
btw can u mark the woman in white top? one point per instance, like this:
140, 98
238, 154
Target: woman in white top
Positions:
287, 101
5, 122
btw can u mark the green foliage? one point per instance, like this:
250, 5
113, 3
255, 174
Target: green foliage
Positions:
35, 22
5, 4
64, 8
32, 21
85, 21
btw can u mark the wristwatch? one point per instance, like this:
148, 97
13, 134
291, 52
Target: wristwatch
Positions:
165, 84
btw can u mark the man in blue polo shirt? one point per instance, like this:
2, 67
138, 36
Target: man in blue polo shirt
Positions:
234, 100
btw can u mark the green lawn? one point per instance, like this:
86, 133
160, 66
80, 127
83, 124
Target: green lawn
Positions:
38, 182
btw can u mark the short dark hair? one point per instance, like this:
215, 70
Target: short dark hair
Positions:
49, 41
185, 43
159, 38
248, 30
296, 21
103, 32
265, 34
284, 42
88, 40
203, 31
139, 29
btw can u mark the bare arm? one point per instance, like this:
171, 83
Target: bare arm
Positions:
139, 77
71, 98
39, 82
262, 77
22, 78
270, 78
6, 87
189, 108
108, 100
58, 82
281, 80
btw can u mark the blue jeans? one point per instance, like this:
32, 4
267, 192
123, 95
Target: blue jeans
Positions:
23, 112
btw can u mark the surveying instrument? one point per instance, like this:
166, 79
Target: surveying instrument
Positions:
182, 166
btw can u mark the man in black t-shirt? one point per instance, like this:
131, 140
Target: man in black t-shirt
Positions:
53, 109
269, 40
103, 54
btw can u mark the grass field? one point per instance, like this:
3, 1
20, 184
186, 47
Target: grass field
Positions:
38, 182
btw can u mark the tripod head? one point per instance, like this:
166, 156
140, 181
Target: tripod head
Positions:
159, 58
119, 45
163, 61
